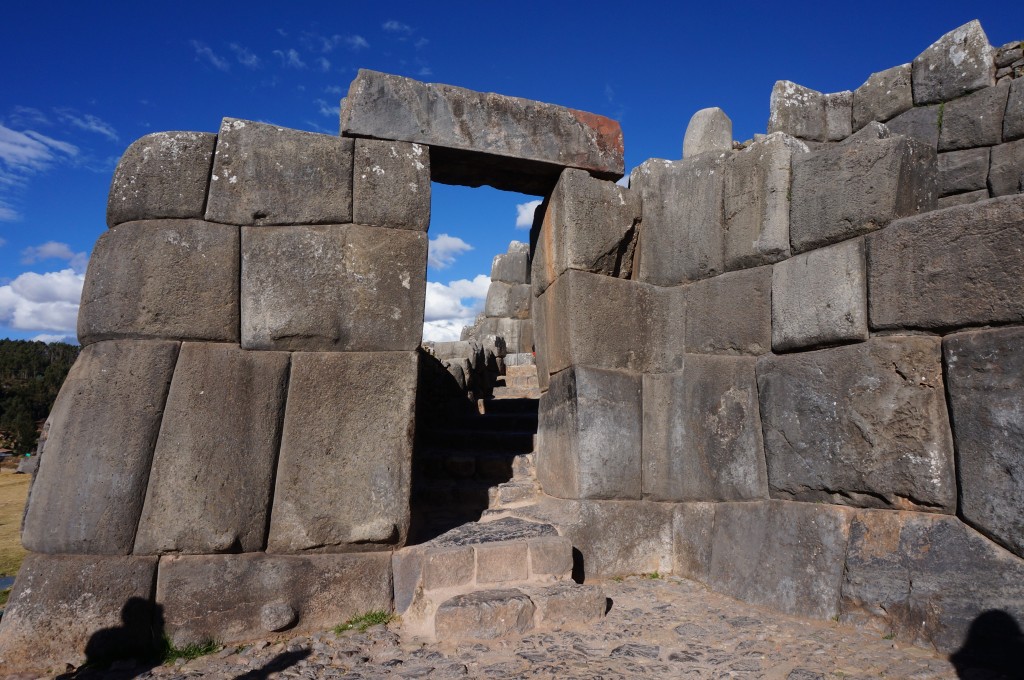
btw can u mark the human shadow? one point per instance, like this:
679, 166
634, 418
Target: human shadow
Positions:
993, 649
281, 662
134, 647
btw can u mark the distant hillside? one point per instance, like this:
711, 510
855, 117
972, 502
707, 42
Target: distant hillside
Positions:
31, 374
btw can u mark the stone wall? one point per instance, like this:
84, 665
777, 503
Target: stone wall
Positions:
507, 308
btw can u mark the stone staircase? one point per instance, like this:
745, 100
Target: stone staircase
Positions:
519, 380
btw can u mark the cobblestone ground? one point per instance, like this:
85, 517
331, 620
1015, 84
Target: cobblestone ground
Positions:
657, 628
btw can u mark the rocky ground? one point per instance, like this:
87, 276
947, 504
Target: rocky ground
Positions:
658, 628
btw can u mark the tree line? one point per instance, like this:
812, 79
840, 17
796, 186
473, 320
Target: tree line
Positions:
31, 374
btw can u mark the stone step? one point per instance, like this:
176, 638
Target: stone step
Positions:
520, 359
524, 467
512, 494
518, 382
500, 393
525, 371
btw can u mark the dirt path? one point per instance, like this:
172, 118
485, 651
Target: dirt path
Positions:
13, 492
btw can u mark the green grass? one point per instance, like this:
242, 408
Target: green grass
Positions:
171, 653
653, 575
4, 595
364, 621
890, 636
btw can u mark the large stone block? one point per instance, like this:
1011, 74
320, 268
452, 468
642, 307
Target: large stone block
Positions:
963, 171
617, 538
731, 313
236, 598
920, 123
963, 199
859, 186
73, 609
683, 218
974, 120
883, 95
957, 63
954, 267
798, 111
511, 301
665, 329
391, 185
838, 115
344, 288
702, 432
264, 174
514, 266
517, 333
213, 467
819, 298
985, 375
88, 493
1006, 172
175, 279
925, 578
788, 556
483, 138
862, 425
693, 526
757, 201
346, 449
589, 225
1013, 119
708, 130
162, 175
590, 434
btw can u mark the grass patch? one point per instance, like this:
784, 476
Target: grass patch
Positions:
890, 636
13, 492
170, 653
5, 595
653, 575
364, 621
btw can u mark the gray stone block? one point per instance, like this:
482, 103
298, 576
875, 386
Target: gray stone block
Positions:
1013, 118
225, 597
418, 569
63, 606
788, 556
693, 526
798, 111
391, 184
682, 218
517, 333
963, 199
731, 313
162, 175
568, 604
819, 298
862, 425
974, 120
920, 123
590, 434
344, 288
708, 130
174, 279
511, 268
484, 615
985, 372
346, 449
957, 63
264, 174
617, 538
665, 329
213, 467
926, 578
838, 115
883, 95
589, 225
511, 301
948, 268
1006, 171
88, 493
702, 432
1009, 53
859, 186
963, 171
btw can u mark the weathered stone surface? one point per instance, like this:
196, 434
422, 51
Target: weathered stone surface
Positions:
1006, 173
511, 267
333, 288
162, 175
974, 120
175, 279
567, 604
838, 115
423, 568
682, 218
731, 313
665, 330
788, 556
920, 123
65, 609
1009, 53
517, 333
708, 130
213, 467
502, 562
589, 225
391, 184
484, 615
264, 174
88, 493
963, 199
550, 558
483, 138
798, 111
223, 597
963, 171
957, 63
702, 432
692, 532
926, 578
1013, 118
819, 297
590, 434
954, 267
346, 448
883, 95
859, 186
985, 372
862, 425
507, 300
278, 616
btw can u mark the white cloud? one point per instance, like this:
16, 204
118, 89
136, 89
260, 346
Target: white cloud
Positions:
244, 56
203, 52
393, 26
356, 42
30, 151
56, 337
425, 72
326, 109
290, 59
324, 64
443, 250
54, 250
421, 43
450, 307
7, 213
524, 213
42, 302
88, 122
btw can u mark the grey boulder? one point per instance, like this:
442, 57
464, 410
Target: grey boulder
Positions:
708, 130
957, 63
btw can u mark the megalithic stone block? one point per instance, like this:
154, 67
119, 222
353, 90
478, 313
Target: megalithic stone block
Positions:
798, 111
508, 300
162, 175
333, 288
963, 171
920, 123
514, 266
1006, 171
975, 120
213, 467
346, 453
708, 130
482, 138
391, 184
957, 63
264, 174
173, 279
731, 313
692, 533
1013, 119
862, 425
88, 493
518, 334
883, 95
838, 115
590, 435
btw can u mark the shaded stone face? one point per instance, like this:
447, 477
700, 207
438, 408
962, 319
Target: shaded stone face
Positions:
963, 171
391, 185
975, 120
883, 95
731, 313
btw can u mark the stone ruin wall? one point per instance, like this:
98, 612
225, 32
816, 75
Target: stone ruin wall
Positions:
790, 371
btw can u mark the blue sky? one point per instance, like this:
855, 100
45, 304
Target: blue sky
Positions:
81, 81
